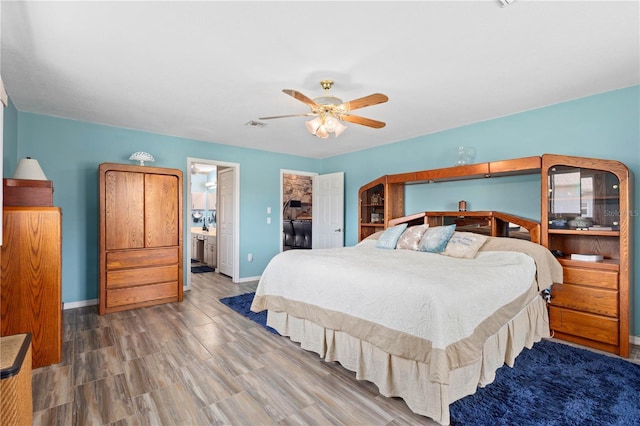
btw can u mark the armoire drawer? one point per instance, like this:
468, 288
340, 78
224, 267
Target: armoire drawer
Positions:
140, 276
587, 299
589, 326
141, 294
122, 259
592, 277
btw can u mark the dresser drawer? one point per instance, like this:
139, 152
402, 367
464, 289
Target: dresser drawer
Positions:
589, 326
140, 258
588, 299
604, 279
141, 276
142, 294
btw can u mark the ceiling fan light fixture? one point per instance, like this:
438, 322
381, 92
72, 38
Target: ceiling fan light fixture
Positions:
329, 111
322, 132
312, 125
331, 123
324, 124
339, 129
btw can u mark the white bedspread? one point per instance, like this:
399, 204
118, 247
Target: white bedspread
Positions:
433, 297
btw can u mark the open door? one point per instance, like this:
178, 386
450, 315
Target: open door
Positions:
226, 219
328, 210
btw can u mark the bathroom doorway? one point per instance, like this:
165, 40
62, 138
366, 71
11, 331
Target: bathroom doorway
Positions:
203, 218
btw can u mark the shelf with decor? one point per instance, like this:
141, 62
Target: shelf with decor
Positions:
379, 201
585, 211
374, 217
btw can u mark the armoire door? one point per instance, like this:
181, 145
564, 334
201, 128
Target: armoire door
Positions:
124, 210
161, 210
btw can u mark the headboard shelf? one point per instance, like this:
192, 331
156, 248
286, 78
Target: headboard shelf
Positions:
382, 199
493, 223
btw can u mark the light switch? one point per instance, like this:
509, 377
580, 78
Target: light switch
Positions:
268, 210
269, 220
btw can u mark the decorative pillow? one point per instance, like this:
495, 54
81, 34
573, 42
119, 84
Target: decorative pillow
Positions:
390, 236
410, 238
435, 238
464, 245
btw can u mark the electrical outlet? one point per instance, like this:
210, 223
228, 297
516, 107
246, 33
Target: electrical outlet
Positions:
268, 210
250, 257
268, 220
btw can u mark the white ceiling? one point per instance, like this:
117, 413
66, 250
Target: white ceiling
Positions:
201, 70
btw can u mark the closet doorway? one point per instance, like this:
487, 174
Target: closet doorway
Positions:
203, 218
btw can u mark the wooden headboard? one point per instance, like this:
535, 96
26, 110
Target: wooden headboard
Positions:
495, 224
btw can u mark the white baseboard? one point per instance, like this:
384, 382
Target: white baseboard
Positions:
80, 304
247, 279
635, 340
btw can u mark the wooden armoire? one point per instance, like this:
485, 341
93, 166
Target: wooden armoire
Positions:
141, 236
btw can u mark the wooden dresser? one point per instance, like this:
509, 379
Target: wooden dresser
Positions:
141, 236
31, 296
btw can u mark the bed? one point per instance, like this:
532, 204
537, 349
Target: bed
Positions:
428, 327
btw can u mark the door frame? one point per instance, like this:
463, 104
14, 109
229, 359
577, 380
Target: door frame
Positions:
236, 216
282, 173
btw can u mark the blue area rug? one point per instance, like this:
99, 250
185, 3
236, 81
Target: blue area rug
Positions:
550, 384
556, 384
242, 305
201, 269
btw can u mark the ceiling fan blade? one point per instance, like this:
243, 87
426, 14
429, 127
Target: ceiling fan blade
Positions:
363, 121
283, 116
299, 96
376, 98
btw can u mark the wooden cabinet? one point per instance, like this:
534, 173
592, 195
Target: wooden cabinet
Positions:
31, 289
381, 200
586, 208
140, 236
197, 247
210, 252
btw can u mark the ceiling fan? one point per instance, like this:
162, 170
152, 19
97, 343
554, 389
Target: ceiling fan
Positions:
330, 110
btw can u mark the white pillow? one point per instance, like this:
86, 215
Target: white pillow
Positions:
464, 245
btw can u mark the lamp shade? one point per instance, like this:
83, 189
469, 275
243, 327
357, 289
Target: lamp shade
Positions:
28, 168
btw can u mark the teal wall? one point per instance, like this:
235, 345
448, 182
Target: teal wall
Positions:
9, 139
601, 126
69, 152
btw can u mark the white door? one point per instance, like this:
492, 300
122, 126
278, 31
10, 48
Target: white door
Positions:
328, 211
225, 217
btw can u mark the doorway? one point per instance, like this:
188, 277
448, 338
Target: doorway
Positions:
296, 199
203, 218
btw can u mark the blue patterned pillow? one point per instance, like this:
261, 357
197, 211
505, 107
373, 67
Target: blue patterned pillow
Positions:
390, 236
435, 239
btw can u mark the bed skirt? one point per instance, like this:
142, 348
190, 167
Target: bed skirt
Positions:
399, 377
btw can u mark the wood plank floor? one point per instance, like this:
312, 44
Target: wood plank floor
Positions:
199, 363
